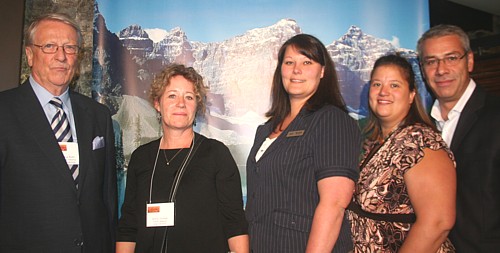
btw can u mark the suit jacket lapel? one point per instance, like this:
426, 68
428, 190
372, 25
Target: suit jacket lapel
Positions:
468, 117
84, 133
36, 125
297, 124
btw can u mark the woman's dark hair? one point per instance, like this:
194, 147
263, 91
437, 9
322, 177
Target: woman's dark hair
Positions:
417, 112
328, 92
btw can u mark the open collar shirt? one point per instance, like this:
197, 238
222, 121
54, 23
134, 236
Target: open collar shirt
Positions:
447, 127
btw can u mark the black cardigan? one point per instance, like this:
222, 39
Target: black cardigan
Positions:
209, 206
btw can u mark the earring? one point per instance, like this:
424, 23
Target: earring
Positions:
160, 129
158, 116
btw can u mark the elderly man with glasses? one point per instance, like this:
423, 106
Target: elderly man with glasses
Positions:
469, 119
57, 159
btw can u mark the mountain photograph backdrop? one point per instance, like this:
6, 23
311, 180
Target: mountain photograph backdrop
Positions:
237, 71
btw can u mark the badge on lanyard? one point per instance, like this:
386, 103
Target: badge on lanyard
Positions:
160, 214
163, 214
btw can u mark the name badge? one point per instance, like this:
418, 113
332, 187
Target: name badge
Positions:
160, 214
70, 152
295, 133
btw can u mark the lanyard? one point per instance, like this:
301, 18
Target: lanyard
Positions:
195, 144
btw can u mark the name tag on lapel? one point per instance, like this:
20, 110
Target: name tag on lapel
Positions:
70, 152
295, 133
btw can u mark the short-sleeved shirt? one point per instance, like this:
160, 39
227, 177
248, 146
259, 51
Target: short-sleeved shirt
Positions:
282, 185
381, 188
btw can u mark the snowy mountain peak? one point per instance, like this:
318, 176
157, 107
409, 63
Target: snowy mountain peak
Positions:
133, 31
354, 37
177, 31
239, 71
355, 31
156, 34
286, 22
284, 28
175, 34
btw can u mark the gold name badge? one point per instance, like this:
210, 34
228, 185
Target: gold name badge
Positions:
295, 133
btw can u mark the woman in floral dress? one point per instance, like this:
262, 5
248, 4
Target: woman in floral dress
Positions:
404, 200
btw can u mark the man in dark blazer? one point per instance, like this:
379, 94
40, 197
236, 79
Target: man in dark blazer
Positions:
43, 206
469, 119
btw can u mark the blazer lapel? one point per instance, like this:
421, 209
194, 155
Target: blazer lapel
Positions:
468, 117
260, 140
297, 124
35, 124
84, 132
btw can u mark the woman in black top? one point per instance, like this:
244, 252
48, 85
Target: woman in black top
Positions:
208, 202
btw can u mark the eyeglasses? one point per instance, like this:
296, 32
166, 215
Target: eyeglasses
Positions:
449, 60
52, 48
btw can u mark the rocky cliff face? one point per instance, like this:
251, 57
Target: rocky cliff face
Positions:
175, 47
238, 72
137, 42
355, 53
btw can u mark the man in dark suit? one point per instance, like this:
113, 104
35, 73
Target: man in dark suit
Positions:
469, 119
56, 195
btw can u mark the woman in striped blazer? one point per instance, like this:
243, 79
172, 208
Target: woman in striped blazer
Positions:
303, 164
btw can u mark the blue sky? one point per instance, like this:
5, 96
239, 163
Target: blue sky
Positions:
217, 20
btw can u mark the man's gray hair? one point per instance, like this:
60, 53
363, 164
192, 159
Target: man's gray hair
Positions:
444, 30
58, 17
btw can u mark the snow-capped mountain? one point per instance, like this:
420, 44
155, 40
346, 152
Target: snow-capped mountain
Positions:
354, 54
156, 34
238, 72
240, 68
137, 41
174, 47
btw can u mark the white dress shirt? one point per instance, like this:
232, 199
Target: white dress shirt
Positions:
447, 127
264, 147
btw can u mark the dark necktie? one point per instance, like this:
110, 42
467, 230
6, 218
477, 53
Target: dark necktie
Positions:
62, 131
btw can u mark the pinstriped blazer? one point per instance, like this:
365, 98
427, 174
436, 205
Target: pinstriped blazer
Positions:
282, 186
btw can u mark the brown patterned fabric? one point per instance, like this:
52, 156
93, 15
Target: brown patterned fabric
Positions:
381, 188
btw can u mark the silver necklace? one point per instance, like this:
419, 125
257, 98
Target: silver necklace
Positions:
171, 159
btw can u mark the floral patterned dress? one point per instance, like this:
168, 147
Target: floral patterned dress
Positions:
381, 188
